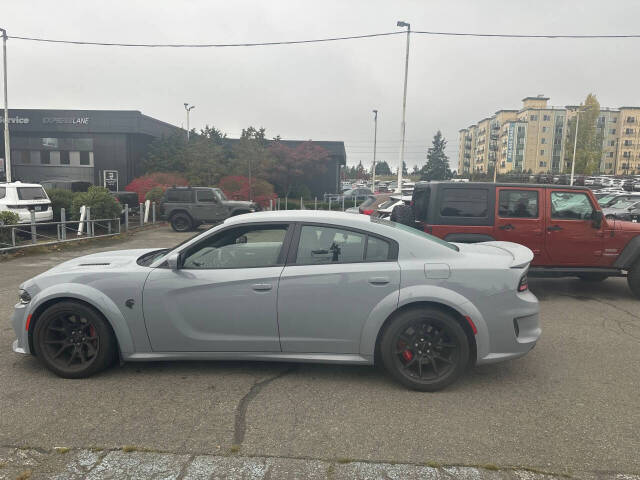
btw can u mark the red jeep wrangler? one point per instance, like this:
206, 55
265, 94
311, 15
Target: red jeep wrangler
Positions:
563, 226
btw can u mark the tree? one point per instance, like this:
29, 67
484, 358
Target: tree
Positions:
166, 154
251, 155
404, 168
589, 141
416, 170
382, 168
437, 166
295, 165
360, 171
205, 161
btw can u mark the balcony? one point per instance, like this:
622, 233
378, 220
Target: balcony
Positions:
495, 127
466, 164
493, 147
467, 155
494, 136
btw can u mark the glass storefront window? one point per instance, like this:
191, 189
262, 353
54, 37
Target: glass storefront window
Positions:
74, 158
82, 143
45, 157
34, 157
50, 142
84, 159
54, 158
64, 158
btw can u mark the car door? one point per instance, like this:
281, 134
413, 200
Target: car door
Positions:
571, 238
334, 278
520, 219
208, 207
223, 296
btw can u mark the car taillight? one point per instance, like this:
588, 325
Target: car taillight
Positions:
366, 212
523, 285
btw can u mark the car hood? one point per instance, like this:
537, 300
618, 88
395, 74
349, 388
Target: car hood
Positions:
622, 225
238, 203
512, 254
102, 261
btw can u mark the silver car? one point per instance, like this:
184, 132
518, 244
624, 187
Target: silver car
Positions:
299, 286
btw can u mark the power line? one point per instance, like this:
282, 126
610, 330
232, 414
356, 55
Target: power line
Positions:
321, 40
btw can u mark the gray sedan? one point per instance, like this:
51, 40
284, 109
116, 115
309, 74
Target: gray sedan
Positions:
299, 286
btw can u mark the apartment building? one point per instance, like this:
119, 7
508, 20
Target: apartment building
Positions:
534, 139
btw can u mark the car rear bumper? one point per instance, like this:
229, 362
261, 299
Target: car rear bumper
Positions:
25, 216
18, 320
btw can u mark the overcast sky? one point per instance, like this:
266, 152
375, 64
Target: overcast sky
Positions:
321, 91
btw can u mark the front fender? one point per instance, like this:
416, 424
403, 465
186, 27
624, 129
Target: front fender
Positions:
96, 299
424, 293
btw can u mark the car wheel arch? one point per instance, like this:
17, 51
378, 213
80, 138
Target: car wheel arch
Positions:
422, 304
115, 320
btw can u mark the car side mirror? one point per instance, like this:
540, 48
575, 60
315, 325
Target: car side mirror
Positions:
173, 260
597, 219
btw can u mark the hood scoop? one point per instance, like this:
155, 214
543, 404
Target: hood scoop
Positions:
93, 264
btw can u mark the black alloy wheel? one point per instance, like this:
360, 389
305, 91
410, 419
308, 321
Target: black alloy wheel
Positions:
73, 341
425, 349
181, 222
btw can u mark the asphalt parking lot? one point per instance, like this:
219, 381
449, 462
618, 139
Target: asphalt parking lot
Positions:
571, 406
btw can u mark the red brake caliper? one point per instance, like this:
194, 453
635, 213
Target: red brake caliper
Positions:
407, 355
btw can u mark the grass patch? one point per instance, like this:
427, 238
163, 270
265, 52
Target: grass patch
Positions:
96, 449
62, 449
433, 464
234, 448
344, 460
133, 448
24, 475
489, 466
3, 464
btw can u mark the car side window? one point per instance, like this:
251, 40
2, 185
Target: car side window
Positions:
322, 245
206, 196
518, 204
243, 247
571, 206
377, 250
179, 196
464, 202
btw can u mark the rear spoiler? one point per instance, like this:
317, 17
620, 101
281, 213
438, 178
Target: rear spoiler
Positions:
522, 256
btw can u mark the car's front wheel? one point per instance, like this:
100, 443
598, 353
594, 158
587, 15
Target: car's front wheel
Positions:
633, 279
73, 340
425, 349
181, 222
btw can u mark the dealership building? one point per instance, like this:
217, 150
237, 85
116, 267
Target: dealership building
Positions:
87, 146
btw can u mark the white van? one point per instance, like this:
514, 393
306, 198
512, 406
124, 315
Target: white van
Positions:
22, 198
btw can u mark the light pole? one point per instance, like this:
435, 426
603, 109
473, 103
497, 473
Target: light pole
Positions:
188, 109
7, 143
404, 104
575, 143
375, 140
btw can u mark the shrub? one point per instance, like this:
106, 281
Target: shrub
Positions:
164, 180
155, 194
237, 188
7, 218
60, 198
101, 202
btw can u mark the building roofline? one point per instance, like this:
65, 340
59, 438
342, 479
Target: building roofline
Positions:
505, 110
535, 98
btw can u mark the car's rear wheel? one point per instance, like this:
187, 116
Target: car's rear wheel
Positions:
403, 214
593, 277
633, 278
425, 349
73, 341
181, 222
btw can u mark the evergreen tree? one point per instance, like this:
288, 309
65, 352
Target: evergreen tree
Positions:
382, 168
589, 145
437, 167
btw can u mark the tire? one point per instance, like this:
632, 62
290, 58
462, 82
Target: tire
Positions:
593, 277
181, 222
443, 362
633, 278
403, 214
73, 340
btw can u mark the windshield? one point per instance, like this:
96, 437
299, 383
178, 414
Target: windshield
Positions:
606, 199
624, 202
220, 193
31, 193
415, 231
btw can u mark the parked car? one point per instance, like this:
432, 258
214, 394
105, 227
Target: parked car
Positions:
386, 208
24, 198
564, 226
188, 207
622, 210
281, 286
612, 200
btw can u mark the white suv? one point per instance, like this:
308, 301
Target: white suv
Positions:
21, 198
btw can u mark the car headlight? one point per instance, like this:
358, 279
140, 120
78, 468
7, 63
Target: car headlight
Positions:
24, 297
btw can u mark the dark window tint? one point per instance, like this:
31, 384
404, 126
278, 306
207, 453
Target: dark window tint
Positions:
321, 245
3, 192
570, 206
421, 203
64, 158
179, 196
464, 202
206, 196
518, 204
85, 159
245, 247
377, 250
31, 193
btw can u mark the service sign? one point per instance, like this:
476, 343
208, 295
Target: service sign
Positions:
510, 143
111, 180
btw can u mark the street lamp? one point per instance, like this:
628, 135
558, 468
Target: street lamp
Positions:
188, 109
575, 142
7, 143
375, 138
404, 104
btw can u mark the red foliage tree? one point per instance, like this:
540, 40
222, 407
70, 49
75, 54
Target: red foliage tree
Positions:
297, 164
164, 180
236, 187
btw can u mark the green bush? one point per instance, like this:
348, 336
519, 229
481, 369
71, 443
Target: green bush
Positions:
7, 218
155, 194
102, 203
60, 198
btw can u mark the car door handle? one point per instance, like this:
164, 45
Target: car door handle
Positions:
554, 228
261, 287
508, 226
378, 280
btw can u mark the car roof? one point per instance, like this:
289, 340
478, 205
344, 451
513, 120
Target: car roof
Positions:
317, 216
425, 184
19, 184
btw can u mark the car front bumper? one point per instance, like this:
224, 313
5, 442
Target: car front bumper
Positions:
19, 321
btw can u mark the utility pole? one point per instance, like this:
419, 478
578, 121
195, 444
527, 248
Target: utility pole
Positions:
7, 142
575, 144
404, 104
375, 139
188, 109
